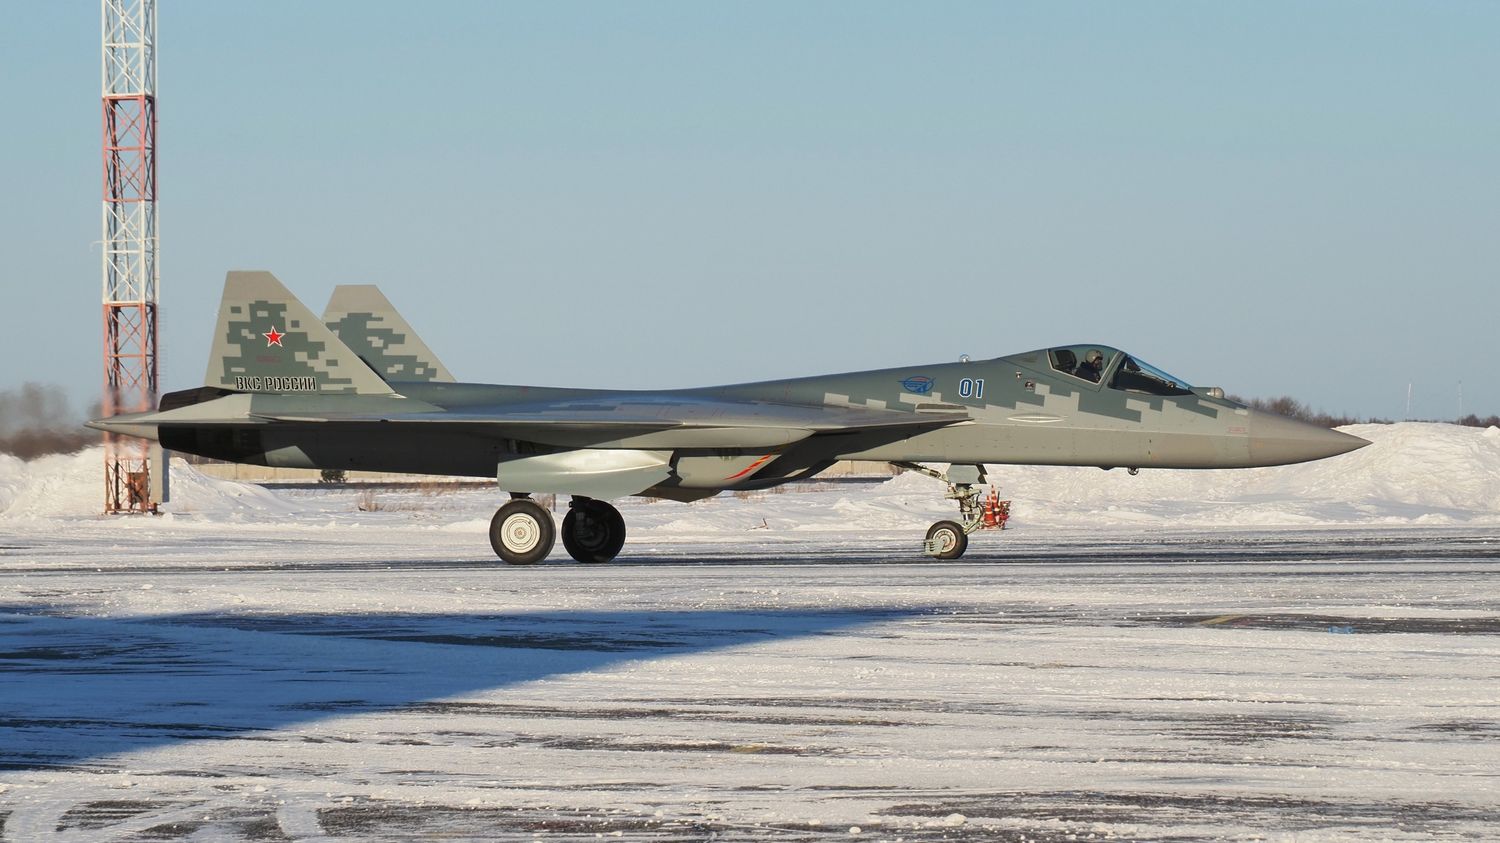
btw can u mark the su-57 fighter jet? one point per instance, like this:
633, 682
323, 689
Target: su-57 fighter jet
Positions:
359, 390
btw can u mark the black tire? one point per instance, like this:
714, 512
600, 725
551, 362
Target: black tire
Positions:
593, 531
522, 533
952, 541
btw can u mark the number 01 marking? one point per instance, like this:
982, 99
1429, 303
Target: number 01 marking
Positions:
971, 388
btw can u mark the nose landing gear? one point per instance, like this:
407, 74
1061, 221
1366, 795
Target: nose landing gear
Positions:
949, 539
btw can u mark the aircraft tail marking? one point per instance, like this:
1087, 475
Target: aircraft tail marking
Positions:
362, 317
268, 341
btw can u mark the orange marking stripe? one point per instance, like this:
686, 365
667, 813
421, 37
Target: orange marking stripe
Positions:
753, 466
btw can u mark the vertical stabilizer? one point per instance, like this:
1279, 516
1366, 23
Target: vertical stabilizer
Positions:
268, 341
365, 321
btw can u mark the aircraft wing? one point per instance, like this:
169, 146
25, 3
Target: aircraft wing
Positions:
639, 422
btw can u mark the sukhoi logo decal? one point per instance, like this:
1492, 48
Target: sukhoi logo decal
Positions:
918, 384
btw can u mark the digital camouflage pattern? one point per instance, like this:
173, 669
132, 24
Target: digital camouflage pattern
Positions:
313, 402
362, 317
268, 341
283, 389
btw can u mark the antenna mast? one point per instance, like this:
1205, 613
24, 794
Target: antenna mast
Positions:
128, 30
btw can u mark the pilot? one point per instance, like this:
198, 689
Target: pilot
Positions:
1092, 366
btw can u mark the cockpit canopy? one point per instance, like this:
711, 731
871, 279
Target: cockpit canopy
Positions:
1116, 369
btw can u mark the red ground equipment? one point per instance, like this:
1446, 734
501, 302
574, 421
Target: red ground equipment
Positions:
995, 511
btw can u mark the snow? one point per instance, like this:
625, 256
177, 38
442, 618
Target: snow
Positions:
1299, 653
71, 486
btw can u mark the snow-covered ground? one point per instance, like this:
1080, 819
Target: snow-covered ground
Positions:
1308, 652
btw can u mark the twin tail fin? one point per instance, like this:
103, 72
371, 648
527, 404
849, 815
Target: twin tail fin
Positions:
268, 341
366, 321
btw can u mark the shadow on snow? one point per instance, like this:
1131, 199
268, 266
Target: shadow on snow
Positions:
79, 688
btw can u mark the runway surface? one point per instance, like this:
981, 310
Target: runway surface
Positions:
390, 685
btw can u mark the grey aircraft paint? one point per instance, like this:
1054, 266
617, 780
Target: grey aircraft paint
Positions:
283, 389
363, 319
267, 341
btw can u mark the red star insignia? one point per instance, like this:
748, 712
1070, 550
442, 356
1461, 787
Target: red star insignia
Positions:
273, 338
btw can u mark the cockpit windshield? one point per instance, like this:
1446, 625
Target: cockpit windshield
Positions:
1095, 363
1135, 376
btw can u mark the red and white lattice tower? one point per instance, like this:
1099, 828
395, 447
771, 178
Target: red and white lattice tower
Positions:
130, 241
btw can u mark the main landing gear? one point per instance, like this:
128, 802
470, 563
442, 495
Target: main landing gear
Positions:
522, 532
592, 531
949, 539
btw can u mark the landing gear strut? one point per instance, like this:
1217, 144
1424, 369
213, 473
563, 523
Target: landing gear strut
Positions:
949, 539
592, 531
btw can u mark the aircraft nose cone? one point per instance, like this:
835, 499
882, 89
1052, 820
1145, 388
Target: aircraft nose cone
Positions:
1278, 440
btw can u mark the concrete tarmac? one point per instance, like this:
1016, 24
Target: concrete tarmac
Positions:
1326, 685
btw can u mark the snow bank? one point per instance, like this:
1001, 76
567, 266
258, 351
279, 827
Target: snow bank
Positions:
72, 485
53, 484
197, 493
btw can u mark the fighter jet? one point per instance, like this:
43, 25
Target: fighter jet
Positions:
361, 391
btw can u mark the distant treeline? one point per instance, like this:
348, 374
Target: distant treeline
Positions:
36, 420
1472, 420
1291, 407
1288, 406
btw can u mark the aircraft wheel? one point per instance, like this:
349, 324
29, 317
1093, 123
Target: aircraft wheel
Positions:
593, 531
522, 532
946, 540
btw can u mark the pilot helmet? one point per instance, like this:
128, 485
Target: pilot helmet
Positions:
1095, 356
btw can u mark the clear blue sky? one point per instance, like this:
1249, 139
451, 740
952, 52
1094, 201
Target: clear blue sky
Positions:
1278, 198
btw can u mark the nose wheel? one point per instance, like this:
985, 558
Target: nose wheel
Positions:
946, 540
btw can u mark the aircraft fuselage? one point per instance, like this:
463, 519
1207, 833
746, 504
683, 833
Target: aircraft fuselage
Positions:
358, 390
